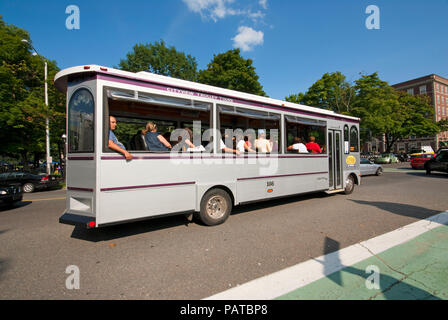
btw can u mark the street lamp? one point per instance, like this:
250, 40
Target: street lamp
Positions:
47, 121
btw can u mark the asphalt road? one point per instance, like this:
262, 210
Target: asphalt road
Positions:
171, 258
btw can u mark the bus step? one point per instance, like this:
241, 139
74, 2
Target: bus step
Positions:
334, 191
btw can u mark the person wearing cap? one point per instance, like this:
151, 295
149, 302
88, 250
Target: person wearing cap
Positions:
262, 144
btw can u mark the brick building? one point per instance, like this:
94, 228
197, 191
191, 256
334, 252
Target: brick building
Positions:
436, 87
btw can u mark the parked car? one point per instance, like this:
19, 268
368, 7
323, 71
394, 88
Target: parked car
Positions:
387, 158
28, 181
367, 167
418, 160
438, 163
10, 193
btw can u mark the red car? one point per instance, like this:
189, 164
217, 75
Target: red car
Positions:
418, 160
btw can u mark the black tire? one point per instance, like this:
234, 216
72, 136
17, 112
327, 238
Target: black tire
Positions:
28, 187
379, 172
216, 206
349, 184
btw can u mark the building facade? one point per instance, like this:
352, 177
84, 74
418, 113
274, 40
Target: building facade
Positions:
436, 88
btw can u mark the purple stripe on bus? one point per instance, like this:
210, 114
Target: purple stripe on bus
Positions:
283, 175
79, 189
148, 186
164, 87
209, 157
81, 158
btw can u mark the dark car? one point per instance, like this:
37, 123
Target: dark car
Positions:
10, 194
29, 182
438, 163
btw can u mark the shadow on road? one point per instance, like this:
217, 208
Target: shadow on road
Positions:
436, 175
245, 208
401, 209
128, 229
159, 223
388, 287
10, 207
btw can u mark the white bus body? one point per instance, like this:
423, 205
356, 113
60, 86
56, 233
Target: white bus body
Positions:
103, 188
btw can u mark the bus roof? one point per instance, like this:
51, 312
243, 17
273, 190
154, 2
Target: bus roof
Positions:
60, 82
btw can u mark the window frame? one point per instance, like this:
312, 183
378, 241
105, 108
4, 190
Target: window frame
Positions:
285, 132
357, 139
131, 92
93, 121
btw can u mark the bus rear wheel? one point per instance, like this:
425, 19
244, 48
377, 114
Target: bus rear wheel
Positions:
216, 206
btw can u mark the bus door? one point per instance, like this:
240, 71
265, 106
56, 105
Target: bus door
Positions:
335, 159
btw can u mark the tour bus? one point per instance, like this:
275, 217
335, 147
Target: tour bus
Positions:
211, 174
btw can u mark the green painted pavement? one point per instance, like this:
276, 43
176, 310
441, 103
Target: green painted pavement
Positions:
415, 270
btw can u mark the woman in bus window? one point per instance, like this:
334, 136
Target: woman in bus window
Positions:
154, 140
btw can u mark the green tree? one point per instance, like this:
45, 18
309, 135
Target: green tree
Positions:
22, 107
394, 114
231, 71
331, 92
159, 59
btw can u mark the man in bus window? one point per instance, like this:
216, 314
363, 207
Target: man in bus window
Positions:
312, 146
114, 144
262, 144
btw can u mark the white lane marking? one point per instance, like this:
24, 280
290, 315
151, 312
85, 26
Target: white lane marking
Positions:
284, 281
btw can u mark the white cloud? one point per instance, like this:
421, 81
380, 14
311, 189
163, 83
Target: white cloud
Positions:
247, 38
212, 9
220, 9
263, 4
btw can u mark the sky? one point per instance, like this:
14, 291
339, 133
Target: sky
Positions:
292, 42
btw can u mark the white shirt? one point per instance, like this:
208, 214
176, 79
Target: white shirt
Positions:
240, 146
300, 146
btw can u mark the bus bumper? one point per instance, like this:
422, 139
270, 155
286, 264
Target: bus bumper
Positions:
77, 220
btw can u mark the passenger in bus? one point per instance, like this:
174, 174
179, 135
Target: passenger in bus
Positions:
262, 144
113, 143
185, 140
298, 146
312, 146
226, 149
244, 145
138, 141
154, 140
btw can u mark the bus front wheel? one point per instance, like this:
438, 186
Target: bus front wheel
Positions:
216, 206
349, 185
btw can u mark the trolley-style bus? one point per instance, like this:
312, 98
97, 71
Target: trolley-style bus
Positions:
226, 148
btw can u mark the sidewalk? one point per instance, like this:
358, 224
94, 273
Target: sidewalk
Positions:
415, 270
410, 263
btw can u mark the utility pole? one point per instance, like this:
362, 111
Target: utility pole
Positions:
48, 158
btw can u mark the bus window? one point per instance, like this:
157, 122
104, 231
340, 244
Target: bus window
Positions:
301, 131
236, 124
354, 142
81, 122
134, 111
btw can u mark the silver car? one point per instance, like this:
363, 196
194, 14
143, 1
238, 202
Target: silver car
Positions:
368, 167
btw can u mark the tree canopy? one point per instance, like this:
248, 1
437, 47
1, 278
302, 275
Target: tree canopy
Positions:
159, 59
231, 71
331, 92
382, 109
22, 105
